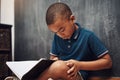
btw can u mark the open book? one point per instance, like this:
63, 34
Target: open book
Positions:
29, 70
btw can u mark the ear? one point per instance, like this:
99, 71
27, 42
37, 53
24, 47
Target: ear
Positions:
72, 17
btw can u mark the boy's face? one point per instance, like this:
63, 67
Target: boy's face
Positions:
64, 28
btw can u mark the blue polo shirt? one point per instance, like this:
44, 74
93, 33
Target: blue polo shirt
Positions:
84, 45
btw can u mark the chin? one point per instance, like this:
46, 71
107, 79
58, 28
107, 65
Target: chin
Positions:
67, 38
64, 38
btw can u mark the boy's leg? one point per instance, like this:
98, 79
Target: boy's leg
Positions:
58, 70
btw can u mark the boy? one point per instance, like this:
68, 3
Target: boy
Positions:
77, 51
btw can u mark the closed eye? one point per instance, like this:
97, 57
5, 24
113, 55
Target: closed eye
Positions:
62, 29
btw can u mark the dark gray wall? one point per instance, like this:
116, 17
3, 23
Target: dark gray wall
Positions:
0, 10
33, 39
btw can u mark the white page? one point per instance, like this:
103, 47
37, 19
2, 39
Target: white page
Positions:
21, 67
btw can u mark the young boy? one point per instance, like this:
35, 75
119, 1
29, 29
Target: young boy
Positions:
77, 51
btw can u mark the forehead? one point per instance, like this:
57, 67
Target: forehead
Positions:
59, 22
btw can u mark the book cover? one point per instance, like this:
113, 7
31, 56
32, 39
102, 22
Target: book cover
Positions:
29, 70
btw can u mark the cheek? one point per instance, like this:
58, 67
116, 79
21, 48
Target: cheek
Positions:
70, 31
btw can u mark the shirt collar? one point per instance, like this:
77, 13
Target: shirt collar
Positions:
76, 32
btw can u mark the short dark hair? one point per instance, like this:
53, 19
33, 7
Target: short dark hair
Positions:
55, 9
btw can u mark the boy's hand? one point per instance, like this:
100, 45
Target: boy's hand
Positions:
72, 72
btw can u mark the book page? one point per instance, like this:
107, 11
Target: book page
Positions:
21, 67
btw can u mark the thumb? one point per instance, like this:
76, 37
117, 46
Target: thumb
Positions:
69, 64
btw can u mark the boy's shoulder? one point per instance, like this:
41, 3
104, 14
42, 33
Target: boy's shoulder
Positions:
86, 31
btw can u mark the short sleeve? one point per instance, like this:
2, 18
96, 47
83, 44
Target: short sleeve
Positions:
54, 50
96, 46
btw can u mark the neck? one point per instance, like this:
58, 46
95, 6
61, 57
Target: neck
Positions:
75, 27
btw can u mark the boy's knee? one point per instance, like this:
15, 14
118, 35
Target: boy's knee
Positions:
58, 68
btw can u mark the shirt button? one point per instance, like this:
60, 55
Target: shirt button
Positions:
69, 46
69, 41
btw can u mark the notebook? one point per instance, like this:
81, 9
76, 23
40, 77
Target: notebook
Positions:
29, 70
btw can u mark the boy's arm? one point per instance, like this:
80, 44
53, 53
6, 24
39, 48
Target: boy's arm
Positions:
103, 62
53, 57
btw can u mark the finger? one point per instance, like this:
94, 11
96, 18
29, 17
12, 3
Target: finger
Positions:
71, 70
73, 76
